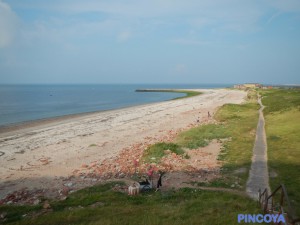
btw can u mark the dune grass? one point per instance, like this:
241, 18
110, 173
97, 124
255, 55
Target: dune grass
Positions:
101, 205
282, 114
201, 136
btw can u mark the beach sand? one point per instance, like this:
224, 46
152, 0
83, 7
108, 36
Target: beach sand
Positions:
45, 155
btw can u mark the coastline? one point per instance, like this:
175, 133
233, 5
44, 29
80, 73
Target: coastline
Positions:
46, 155
15, 128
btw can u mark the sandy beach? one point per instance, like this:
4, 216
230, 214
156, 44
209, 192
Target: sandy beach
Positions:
47, 155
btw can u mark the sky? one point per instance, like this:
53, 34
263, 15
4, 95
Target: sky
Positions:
153, 41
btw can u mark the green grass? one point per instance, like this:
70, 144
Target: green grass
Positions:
241, 122
185, 206
235, 122
92, 145
201, 136
282, 114
155, 152
238, 124
280, 100
186, 92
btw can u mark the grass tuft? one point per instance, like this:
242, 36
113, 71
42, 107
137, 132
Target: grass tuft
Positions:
201, 136
155, 152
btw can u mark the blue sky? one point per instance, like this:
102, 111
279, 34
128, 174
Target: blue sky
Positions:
158, 41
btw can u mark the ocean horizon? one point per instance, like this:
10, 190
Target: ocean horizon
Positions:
30, 102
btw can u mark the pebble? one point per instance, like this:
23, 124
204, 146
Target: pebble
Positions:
46, 205
69, 184
63, 198
36, 202
3, 215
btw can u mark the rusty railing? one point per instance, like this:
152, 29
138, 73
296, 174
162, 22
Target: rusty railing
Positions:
271, 205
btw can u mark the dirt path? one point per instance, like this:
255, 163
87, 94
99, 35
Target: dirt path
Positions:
259, 176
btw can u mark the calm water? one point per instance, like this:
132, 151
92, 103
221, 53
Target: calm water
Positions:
20, 103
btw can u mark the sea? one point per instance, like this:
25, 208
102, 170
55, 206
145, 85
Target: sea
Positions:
25, 103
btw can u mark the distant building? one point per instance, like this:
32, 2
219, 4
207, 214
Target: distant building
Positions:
247, 86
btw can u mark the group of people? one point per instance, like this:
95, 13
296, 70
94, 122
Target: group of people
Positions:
145, 185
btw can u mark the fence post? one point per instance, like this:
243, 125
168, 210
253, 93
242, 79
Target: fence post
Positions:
266, 201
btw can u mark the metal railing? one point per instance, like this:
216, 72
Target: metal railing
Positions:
272, 205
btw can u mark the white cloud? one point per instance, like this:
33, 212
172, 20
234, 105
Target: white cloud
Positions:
142, 16
8, 24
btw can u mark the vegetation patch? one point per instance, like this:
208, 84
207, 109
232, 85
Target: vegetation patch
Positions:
92, 145
186, 92
155, 152
235, 122
238, 123
280, 100
201, 136
282, 116
102, 205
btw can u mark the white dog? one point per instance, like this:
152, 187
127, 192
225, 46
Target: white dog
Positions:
134, 189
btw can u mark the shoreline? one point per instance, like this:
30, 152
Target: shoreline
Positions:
46, 156
14, 128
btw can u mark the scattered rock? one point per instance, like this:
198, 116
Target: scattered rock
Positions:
3, 215
68, 184
168, 151
65, 191
240, 171
97, 204
46, 205
273, 174
36, 202
63, 198
122, 175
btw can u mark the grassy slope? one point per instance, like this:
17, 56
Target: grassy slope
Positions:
186, 206
238, 123
282, 115
237, 153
